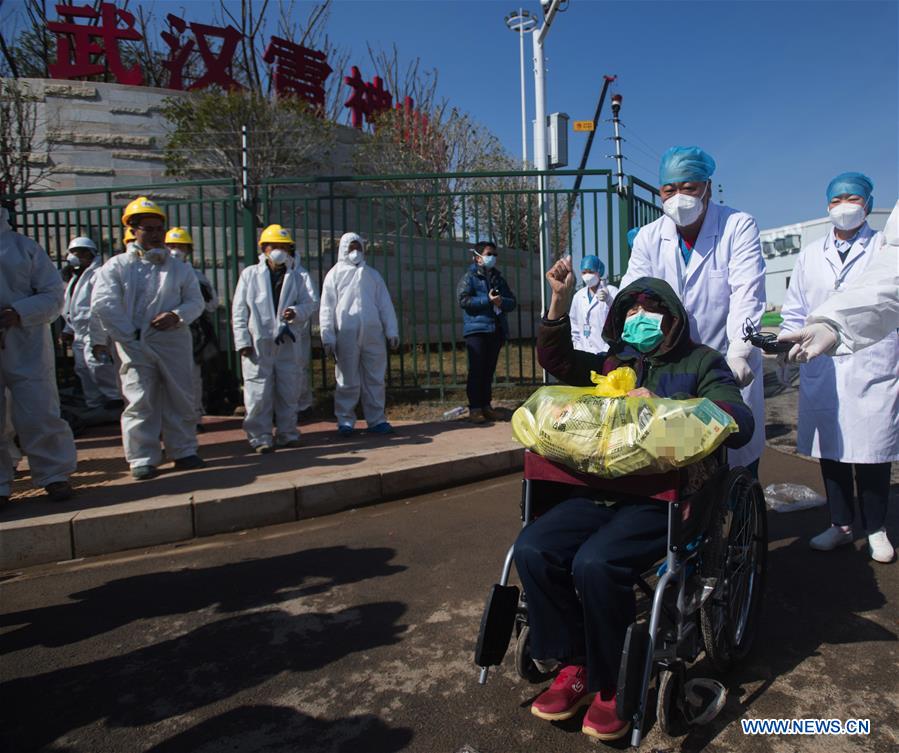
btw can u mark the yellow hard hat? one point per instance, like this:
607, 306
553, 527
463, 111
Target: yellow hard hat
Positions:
275, 234
141, 205
129, 235
178, 235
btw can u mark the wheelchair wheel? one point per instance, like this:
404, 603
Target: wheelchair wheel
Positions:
735, 555
669, 703
524, 663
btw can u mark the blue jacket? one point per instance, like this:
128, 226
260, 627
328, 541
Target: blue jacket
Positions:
478, 314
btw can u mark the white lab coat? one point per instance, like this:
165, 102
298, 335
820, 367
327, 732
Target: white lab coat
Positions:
156, 370
356, 318
588, 315
271, 372
30, 283
848, 405
97, 377
721, 287
866, 309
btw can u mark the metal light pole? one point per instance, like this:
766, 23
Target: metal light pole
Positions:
520, 22
540, 155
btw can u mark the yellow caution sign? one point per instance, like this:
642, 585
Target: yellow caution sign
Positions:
583, 125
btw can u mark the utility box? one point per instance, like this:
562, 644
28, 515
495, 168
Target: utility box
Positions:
557, 126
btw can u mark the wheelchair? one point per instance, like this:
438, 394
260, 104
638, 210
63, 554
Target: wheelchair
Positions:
707, 598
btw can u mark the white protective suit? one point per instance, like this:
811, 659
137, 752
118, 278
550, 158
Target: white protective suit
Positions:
271, 373
588, 315
356, 318
210, 307
97, 377
30, 283
866, 310
721, 287
848, 405
156, 371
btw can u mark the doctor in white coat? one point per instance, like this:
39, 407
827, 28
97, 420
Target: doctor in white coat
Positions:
271, 304
711, 256
848, 405
590, 307
146, 300
96, 374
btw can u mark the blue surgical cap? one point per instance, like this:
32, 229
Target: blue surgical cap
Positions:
631, 234
682, 163
591, 263
854, 183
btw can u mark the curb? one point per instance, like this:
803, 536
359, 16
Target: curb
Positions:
169, 519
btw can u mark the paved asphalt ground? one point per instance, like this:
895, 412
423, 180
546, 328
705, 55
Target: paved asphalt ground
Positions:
354, 633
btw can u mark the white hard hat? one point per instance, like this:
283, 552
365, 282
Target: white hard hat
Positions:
82, 241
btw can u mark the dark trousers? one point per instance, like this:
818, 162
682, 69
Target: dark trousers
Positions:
872, 482
578, 564
483, 352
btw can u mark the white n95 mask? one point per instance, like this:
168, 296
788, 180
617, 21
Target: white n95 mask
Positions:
684, 209
278, 256
590, 279
178, 254
73, 260
354, 257
156, 255
846, 215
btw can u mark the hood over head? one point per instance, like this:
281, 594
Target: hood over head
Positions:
345, 240
655, 296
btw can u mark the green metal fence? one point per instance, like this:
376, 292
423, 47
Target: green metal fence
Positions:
419, 230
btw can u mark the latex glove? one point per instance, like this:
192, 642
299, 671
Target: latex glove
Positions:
811, 341
329, 350
284, 333
393, 342
741, 370
602, 293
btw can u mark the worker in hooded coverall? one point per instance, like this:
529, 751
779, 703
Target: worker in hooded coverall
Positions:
356, 316
711, 256
181, 245
31, 297
96, 373
146, 300
271, 303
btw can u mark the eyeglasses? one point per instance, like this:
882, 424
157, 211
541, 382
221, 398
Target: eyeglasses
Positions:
154, 229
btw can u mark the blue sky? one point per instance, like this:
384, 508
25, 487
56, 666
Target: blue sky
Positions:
784, 95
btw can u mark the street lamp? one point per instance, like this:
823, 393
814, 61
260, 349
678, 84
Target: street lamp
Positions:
521, 21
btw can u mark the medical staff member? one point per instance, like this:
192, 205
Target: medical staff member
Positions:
97, 374
31, 297
711, 255
181, 245
590, 307
848, 405
485, 298
146, 300
861, 313
270, 305
355, 317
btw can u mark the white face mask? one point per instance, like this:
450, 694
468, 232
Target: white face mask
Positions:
156, 255
178, 254
846, 215
684, 209
73, 260
279, 256
590, 279
354, 257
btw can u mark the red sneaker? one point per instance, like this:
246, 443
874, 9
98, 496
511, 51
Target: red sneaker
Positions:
601, 720
564, 697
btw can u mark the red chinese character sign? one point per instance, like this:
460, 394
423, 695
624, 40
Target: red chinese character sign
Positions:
217, 64
367, 98
80, 46
298, 71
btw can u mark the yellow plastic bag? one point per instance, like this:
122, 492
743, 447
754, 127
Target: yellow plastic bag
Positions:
619, 436
616, 383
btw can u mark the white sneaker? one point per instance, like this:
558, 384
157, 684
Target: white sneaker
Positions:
880, 547
831, 538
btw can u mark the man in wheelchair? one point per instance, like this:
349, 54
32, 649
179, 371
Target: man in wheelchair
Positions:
579, 561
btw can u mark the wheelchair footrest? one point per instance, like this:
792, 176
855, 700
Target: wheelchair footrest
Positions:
630, 674
497, 624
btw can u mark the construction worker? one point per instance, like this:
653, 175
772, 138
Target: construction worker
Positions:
271, 304
181, 245
146, 301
